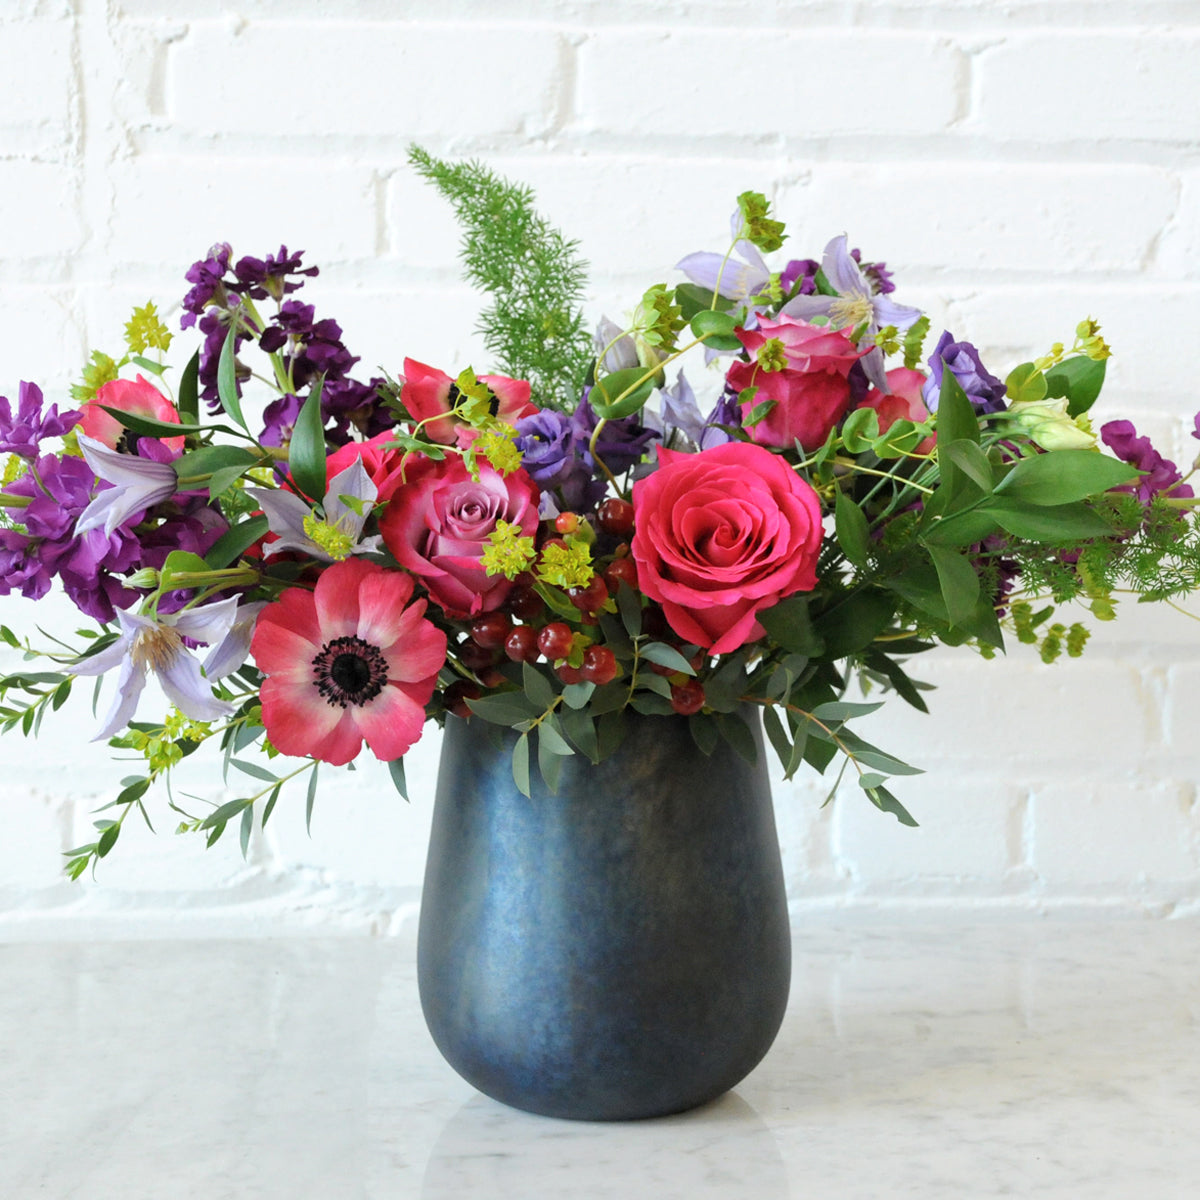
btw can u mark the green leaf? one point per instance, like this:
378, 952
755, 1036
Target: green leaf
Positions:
107, 840
227, 390
886, 802
247, 829
778, 737
1079, 379
396, 771
962, 529
537, 686
630, 607
872, 756
891, 670
576, 695
853, 534
310, 799
223, 479
189, 393
840, 710
229, 546
520, 764
270, 806
254, 770
789, 625
666, 656
972, 461
228, 810
692, 299
861, 430
956, 421
148, 364
959, 583
716, 328
551, 739
1064, 476
306, 452
1025, 383
704, 731
581, 729
180, 562
851, 625
737, 733
550, 763
132, 791
607, 396
1052, 525
149, 426
509, 708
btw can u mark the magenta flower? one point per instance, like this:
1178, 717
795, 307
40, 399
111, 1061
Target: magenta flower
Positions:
1160, 475
21, 434
352, 660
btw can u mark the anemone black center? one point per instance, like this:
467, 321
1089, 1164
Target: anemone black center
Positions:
349, 671
457, 400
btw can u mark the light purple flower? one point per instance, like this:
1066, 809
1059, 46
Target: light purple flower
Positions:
294, 523
855, 304
147, 645
21, 434
617, 347
137, 484
233, 650
732, 279
985, 392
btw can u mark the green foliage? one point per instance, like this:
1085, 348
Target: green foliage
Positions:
534, 327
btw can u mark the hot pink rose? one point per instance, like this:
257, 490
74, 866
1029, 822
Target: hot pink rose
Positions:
428, 394
811, 391
721, 535
139, 397
903, 403
437, 524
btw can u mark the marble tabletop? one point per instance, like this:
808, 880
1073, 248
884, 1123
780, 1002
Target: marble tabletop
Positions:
1017, 1057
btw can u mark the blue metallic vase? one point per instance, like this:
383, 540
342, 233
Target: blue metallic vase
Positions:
617, 950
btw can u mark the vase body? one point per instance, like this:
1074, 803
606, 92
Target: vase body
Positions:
618, 949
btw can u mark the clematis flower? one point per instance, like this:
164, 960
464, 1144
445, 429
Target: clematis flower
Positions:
21, 434
137, 484
856, 304
744, 280
234, 648
347, 504
147, 645
352, 660
141, 398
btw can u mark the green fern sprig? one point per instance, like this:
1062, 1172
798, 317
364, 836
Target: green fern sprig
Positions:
534, 327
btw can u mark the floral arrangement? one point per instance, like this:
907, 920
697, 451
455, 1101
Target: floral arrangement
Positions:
307, 560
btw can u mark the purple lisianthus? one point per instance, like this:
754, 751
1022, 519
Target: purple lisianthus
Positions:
207, 278
622, 442
22, 434
553, 459
1161, 477
983, 389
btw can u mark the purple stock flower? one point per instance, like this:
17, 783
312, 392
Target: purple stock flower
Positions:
877, 273
207, 278
1161, 476
856, 305
259, 278
983, 389
350, 404
21, 434
279, 419
802, 271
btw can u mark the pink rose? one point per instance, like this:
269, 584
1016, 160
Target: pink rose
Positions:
141, 398
811, 390
903, 403
438, 521
383, 462
429, 395
721, 535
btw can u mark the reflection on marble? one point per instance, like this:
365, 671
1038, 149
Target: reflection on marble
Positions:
1017, 1058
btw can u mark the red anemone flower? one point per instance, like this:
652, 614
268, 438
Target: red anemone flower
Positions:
349, 661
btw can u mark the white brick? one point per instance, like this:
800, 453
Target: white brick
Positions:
1178, 255
958, 216
170, 210
393, 79
967, 838
39, 82
44, 341
40, 216
31, 837
678, 82
1068, 84
1128, 835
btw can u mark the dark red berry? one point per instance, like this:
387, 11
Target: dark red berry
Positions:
475, 657
521, 645
591, 597
654, 623
620, 570
490, 630
554, 640
493, 677
599, 665
687, 698
569, 674
524, 603
457, 694
615, 516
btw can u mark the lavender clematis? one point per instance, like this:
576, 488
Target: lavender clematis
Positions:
856, 304
146, 645
234, 648
681, 412
335, 538
137, 484
734, 280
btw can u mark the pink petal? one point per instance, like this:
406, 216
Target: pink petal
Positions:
381, 606
297, 717
391, 723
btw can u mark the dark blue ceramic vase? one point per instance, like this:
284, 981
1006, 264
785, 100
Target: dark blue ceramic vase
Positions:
619, 949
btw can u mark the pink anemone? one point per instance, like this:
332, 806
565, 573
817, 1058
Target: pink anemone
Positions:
352, 660
141, 398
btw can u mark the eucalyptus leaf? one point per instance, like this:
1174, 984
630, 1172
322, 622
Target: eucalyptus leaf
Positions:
520, 764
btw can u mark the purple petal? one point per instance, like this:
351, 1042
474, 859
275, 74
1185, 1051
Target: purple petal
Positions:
806, 307
888, 312
355, 483
209, 624
189, 691
842, 271
129, 689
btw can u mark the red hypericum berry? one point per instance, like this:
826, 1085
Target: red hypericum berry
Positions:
475, 657
566, 522
599, 665
620, 570
554, 640
521, 645
524, 603
490, 630
591, 597
615, 516
493, 677
457, 694
687, 698
569, 674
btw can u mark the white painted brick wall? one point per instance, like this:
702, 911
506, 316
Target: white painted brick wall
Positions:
1018, 165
